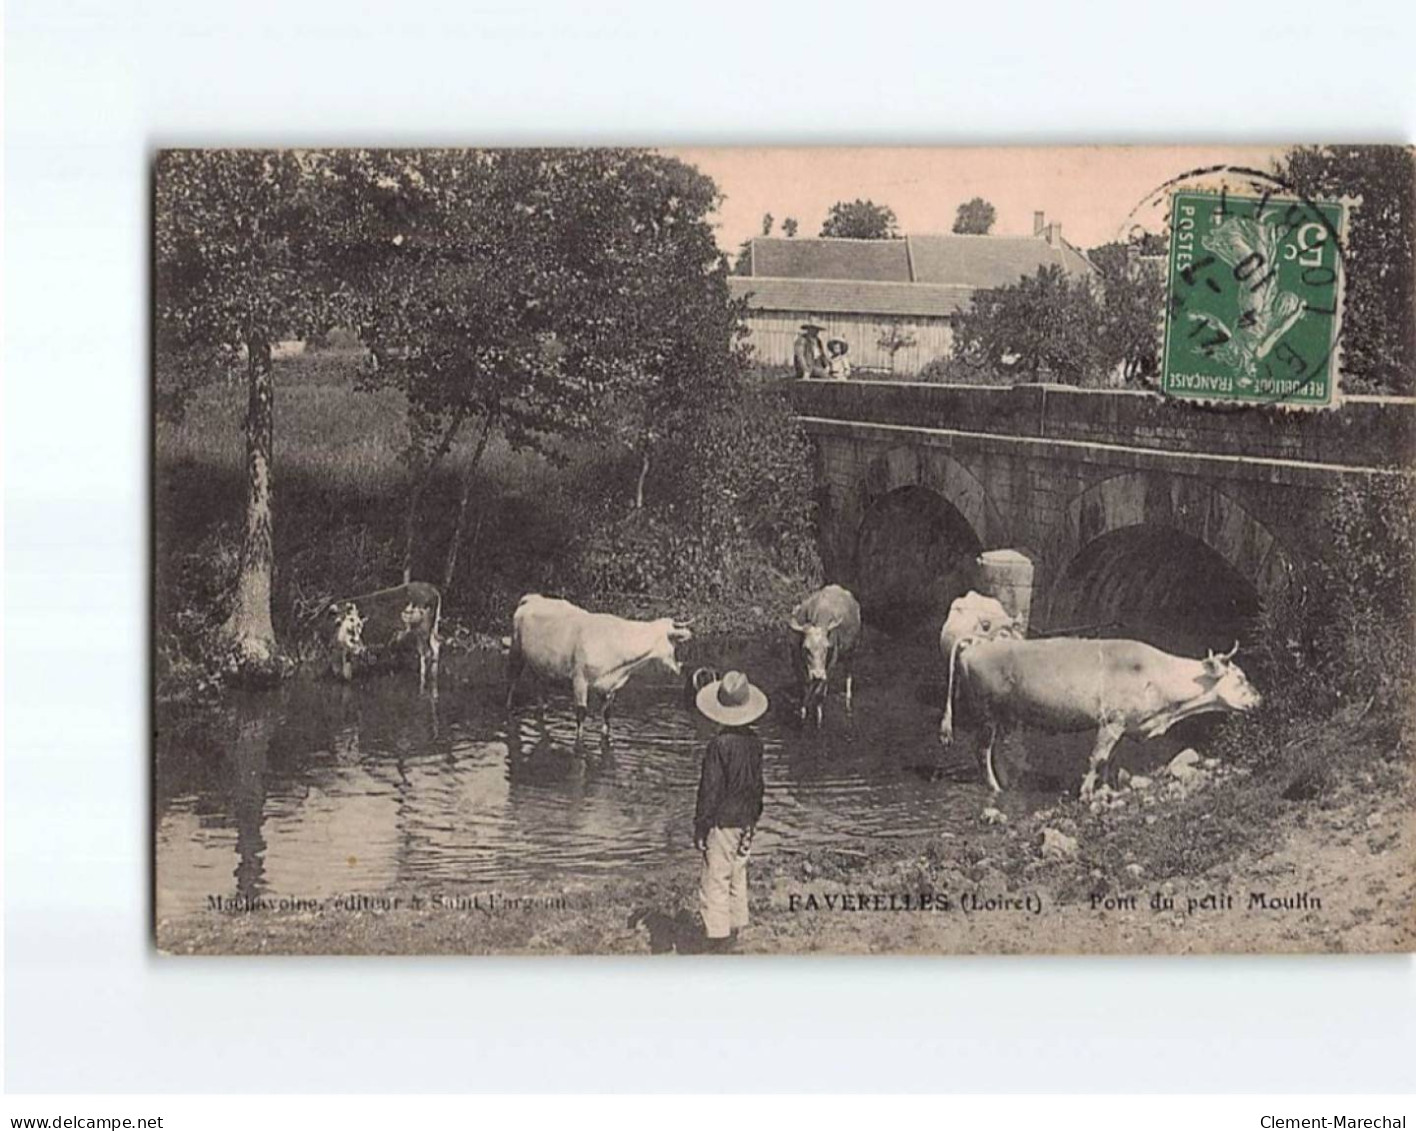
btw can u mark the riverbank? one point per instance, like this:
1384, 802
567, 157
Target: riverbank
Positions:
1207, 856
717, 529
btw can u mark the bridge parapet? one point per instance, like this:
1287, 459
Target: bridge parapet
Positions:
1363, 432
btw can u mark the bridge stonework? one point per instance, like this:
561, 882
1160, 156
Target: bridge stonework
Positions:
1048, 470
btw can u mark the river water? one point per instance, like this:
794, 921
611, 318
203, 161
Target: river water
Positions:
317, 789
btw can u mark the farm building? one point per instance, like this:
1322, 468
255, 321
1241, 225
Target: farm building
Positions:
863, 291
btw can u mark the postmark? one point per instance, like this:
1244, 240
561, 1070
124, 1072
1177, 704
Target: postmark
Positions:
1255, 274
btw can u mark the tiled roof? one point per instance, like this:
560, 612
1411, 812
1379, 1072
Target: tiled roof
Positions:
989, 261
878, 261
849, 296
965, 261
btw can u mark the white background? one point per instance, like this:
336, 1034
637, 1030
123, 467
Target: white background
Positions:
92, 88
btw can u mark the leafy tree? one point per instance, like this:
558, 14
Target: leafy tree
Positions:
242, 260
766, 223
1113, 260
860, 220
1132, 297
543, 293
789, 227
974, 218
1379, 328
670, 337
1048, 326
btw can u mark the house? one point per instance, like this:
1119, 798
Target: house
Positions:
863, 291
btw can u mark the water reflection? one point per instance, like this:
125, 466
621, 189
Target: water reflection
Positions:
249, 752
319, 789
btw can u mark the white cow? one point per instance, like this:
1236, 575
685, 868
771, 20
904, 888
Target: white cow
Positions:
563, 643
1120, 687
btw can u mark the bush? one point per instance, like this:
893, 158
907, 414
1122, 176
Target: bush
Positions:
1341, 632
746, 477
955, 371
191, 659
1365, 634
730, 512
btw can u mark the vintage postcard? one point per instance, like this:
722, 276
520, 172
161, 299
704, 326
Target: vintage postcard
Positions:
784, 551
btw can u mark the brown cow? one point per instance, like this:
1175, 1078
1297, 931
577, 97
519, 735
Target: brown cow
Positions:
384, 620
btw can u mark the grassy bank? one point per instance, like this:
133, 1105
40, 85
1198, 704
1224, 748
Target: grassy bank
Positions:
1337, 873
565, 524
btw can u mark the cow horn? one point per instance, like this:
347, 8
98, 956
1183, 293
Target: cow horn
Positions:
1231, 653
685, 623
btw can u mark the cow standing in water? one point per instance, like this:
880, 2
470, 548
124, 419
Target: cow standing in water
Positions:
1120, 687
974, 617
385, 620
562, 642
828, 623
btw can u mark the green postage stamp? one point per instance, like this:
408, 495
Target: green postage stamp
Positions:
1254, 299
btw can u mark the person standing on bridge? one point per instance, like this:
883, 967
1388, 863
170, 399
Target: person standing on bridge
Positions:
809, 355
729, 805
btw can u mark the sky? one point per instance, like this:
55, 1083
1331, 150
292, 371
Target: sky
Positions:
1092, 191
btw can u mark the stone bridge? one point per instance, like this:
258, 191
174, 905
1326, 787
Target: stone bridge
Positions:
1133, 508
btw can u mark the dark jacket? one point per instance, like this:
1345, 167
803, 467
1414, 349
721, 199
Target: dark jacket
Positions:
730, 788
809, 357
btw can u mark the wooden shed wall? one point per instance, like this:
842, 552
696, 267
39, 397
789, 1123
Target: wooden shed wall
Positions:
773, 334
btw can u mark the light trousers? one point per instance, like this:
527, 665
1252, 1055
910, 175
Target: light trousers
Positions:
722, 884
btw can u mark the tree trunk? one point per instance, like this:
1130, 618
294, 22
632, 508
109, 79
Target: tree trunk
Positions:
410, 519
467, 477
249, 626
643, 475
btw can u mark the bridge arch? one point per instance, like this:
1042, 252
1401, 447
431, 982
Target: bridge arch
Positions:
922, 522
934, 469
1167, 557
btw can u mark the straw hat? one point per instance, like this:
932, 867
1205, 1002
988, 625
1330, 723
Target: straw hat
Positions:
732, 700
812, 326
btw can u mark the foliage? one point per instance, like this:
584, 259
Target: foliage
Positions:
860, 220
953, 370
1379, 328
243, 258
767, 223
975, 218
1047, 327
544, 296
1341, 631
1133, 309
734, 508
565, 526
240, 251
790, 226
540, 293
560, 281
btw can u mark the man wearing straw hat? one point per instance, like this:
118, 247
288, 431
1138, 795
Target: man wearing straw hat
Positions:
808, 354
729, 805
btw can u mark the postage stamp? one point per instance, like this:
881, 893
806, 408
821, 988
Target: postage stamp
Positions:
1254, 299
